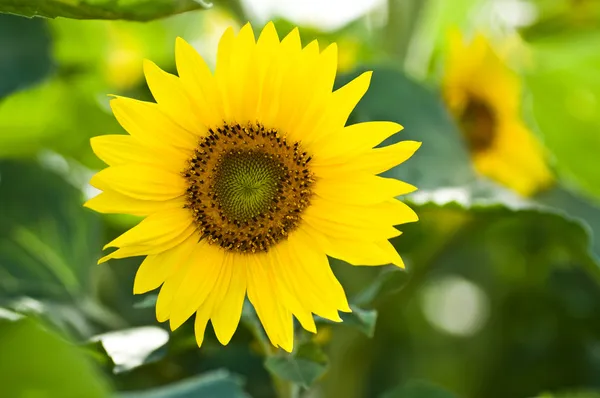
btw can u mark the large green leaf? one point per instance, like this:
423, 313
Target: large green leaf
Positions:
24, 52
37, 363
135, 10
215, 384
443, 159
565, 93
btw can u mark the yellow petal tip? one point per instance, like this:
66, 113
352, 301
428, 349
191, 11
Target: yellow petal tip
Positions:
104, 259
174, 325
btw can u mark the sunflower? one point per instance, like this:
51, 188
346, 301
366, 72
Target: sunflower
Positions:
484, 96
248, 179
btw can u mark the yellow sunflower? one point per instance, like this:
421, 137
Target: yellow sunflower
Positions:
248, 179
484, 96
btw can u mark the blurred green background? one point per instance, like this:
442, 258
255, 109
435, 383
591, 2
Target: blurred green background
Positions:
501, 296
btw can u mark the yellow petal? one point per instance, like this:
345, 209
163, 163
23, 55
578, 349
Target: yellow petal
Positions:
329, 65
143, 250
345, 99
354, 252
397, 212
156, 268
280, 63
313, 262
300, 284
321, 81
151, 126
140, 181
130, 251
275, 318
113, 202
198, 81
391, 253
239, 85
297, 89
226, 315
373, 161
115, 149
198, 283
156, 229
222, 72
267, 49
121, 149
347, 230
361, 189
202, 316
381, 159
291, 297
172, 98
356, 139
391, 212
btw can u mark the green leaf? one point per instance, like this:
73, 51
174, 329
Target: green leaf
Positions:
363, 320
480, 205
443, 159
577, 208
418, 389
215, 384
389, 281
303, 367
36, 362
565, 93
360, 319
24, 53
134, 10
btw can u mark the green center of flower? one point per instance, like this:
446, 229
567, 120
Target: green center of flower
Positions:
247, 187
479, 125
246, 183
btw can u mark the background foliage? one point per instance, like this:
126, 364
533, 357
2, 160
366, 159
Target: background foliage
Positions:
501, 294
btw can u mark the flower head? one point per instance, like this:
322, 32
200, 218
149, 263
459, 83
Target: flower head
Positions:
484, 95
248, 179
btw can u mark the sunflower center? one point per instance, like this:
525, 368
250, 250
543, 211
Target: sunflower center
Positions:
479, 124
246, 183
247, 187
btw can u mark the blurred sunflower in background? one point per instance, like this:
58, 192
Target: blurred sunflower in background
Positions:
484, 95
249, 179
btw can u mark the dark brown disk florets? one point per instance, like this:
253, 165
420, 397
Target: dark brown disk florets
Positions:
479, 124
247, 187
